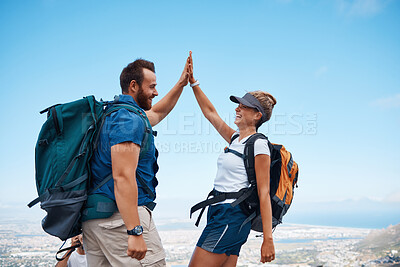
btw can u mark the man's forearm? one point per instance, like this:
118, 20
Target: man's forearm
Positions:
124, 158
126, 196
163, 107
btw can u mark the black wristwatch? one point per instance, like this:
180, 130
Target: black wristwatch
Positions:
138, 230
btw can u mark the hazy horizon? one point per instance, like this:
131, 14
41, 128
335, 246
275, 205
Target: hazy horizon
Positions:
362, 213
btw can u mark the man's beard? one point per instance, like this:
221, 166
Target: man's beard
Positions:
143, 101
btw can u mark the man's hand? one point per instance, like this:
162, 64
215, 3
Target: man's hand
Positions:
136, 247
267, 250
184, 79
163, 107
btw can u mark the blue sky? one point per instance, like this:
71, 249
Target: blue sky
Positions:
332, 65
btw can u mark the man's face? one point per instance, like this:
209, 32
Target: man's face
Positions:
148, 90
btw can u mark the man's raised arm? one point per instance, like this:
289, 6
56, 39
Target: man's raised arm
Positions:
163, 107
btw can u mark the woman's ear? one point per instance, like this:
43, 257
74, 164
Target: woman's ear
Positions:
258, 116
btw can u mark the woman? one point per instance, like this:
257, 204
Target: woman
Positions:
224, 234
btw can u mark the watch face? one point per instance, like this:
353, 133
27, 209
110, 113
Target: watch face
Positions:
138, 230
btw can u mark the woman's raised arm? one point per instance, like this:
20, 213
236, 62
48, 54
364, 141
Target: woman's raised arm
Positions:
208, 108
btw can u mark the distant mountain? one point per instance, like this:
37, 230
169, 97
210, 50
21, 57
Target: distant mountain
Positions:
382, 242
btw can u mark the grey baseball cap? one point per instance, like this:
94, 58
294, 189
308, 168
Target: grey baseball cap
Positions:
250, 101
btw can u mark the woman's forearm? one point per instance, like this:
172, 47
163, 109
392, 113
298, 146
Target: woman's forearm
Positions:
211, 114
205, 104
208, 108
266, 213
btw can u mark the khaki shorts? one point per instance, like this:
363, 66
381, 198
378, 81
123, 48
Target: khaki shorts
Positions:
106, 241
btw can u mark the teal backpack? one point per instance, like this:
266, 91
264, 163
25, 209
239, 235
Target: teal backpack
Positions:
62, 161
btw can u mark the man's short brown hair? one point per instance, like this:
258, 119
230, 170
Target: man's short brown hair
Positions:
134, 71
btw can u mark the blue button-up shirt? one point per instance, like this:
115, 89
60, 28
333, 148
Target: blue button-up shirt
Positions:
124, 126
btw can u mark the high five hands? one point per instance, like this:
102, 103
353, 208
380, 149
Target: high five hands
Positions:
187, 73
191, 77
184, 79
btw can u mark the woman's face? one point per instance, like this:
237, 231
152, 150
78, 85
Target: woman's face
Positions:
246, 116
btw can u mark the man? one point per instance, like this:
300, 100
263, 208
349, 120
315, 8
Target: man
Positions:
129, 237
76, 258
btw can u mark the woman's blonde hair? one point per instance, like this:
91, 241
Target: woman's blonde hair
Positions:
266, 100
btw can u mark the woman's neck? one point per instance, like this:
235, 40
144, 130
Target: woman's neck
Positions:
244, 132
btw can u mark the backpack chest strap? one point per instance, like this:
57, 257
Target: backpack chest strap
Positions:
216, 197
240, 155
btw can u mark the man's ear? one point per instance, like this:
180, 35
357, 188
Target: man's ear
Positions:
133, 87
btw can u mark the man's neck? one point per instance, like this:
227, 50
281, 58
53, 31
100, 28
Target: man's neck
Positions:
133, 96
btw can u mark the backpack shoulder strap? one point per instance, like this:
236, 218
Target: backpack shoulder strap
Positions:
234, 136
249, 156
227, 149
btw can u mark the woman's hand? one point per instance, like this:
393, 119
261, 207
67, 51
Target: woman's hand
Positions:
191, 78
267, 250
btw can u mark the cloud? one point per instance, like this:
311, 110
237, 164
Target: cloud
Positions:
321, 71
388, 102
361, 8
4, 206
393, 198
